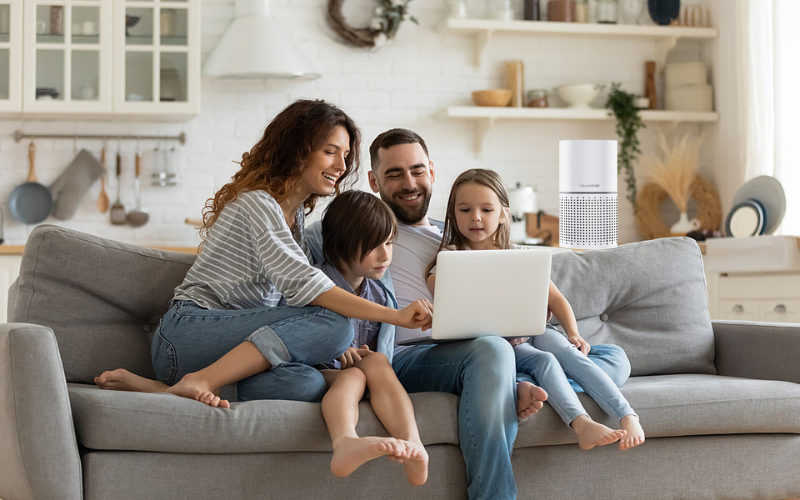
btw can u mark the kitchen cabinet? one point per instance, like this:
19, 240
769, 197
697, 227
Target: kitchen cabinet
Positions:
9, 270
10, 56
772, 297
102, 59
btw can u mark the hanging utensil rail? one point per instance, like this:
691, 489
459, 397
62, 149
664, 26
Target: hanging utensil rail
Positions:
19, 135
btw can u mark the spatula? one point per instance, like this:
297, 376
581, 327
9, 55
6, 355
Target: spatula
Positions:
118, 209
102, 199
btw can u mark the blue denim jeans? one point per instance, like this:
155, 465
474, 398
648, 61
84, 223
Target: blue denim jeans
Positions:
481, 371
292, 339
550, 358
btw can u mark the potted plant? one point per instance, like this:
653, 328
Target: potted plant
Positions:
622, 104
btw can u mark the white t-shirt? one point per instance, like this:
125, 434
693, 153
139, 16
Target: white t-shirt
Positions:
414, 249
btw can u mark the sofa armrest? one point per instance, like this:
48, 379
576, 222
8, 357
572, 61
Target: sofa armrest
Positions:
39, 457
753, 349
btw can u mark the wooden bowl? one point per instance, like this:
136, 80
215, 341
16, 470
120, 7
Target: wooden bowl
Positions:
494, 97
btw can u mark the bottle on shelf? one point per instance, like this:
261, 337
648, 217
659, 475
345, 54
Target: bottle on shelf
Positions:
532, 10
607, 11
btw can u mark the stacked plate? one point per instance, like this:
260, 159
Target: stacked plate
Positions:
758, 208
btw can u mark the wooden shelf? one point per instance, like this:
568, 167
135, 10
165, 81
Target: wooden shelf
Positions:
664, 36
486, 116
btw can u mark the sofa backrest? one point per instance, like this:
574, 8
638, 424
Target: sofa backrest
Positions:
103, 299
647, 297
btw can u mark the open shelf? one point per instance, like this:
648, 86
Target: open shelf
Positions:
664, 36
486, 116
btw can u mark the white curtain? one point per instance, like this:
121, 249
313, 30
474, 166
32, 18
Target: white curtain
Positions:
772, 98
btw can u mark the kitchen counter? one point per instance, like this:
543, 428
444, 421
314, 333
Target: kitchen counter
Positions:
18, 249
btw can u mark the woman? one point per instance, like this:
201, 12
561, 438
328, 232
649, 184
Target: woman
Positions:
224, 324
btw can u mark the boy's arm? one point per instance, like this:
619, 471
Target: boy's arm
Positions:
431, 282
561, 309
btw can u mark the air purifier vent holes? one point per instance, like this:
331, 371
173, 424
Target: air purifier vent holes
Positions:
587, 219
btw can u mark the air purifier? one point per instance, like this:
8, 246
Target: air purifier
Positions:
587, 201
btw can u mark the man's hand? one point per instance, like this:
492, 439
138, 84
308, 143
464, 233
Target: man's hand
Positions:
581, 344
517, 341
353, 355
418, 314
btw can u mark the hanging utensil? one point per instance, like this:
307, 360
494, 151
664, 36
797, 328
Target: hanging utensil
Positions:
102, 199
138, 216
118, 209
31, 202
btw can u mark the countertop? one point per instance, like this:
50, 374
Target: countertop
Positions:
18, 249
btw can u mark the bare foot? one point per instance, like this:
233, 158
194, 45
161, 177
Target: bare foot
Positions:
416, 465
123, 380
529, 399
351, 453
193, 387
591, 434
635, 433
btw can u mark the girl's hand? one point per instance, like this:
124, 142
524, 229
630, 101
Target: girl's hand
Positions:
418, 314
352, 356
581, 344
518, 340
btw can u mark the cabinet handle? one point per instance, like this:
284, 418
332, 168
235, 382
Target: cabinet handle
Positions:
738, 308
780, 308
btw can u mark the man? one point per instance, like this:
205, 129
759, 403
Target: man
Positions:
480, 371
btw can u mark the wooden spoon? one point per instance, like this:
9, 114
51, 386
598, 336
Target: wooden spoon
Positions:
102, 200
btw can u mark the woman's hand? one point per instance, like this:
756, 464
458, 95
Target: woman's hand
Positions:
578, 342
418, 314
353, 355
518, 340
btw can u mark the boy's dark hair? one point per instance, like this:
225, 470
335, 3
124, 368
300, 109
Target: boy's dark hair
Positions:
393, 138
354, 224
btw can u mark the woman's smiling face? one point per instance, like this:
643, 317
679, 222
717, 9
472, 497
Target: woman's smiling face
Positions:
324, 166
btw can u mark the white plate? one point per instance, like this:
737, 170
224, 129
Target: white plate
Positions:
769, 192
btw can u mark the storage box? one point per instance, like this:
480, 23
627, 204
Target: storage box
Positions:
689, 98
690, 73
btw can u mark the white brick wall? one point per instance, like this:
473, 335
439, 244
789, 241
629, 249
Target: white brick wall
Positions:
407, 84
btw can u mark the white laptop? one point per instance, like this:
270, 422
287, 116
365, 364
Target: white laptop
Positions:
481, 293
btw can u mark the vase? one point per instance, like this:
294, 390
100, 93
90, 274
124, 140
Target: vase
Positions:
630, 10
684, 225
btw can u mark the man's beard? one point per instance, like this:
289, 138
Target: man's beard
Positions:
403, 214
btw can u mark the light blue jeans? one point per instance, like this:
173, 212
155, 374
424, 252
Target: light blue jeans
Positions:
549, 359
292, 339
481, 371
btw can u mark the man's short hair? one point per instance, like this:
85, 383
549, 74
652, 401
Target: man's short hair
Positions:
391, 138
354, 224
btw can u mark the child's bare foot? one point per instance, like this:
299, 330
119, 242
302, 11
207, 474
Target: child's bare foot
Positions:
635, 433
591, 434
529, 399
416, 465
123, 380
350, 453
193, 387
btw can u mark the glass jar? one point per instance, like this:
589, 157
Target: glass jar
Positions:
607, 11
532, 10
501, 9
537, 98
582, 11
457, 8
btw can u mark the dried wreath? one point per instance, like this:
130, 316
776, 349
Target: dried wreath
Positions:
382, 28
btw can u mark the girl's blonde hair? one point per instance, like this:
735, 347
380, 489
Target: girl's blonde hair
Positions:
451, 237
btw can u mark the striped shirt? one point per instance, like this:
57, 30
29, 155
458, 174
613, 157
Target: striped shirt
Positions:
251, 259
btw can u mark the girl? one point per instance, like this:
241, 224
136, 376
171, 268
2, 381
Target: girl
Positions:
477, 219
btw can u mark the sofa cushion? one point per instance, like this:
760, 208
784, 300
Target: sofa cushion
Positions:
647, 297
103, 299
685, 405
668, 405
116, 420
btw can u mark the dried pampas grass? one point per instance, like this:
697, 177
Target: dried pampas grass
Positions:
675, 171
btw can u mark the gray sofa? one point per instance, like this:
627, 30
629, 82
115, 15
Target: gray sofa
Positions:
720, 401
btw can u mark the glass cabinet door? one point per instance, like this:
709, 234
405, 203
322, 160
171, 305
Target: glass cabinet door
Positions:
157, 58
68, 48
10, 55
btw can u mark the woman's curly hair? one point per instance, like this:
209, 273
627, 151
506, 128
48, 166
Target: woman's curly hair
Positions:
276, 163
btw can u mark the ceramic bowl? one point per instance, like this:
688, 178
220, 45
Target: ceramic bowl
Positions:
494, 97
579, 96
